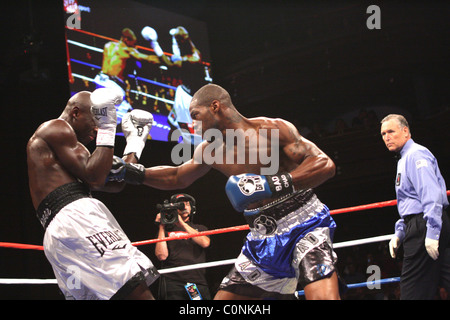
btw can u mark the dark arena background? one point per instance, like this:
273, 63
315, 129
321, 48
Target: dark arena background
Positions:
323, 65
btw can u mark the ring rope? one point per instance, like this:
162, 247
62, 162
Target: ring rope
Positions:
217, 231
360, 284
112, 39
228, 261
297, 294
93, 66
231, 261
202, 265
28, 281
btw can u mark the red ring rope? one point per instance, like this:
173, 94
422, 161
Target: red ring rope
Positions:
217, 231
115, 40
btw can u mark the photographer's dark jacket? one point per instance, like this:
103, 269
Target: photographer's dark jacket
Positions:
185, 252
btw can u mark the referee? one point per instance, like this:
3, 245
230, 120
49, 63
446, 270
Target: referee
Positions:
423, 227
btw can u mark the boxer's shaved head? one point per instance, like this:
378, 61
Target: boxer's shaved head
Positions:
81, 100
206, 94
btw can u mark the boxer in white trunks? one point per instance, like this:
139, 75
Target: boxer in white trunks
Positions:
91, 256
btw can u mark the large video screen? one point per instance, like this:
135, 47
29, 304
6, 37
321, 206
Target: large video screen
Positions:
158, 59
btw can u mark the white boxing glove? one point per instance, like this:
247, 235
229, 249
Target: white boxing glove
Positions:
136, 126
173, 32
149, 34
175, 48
103, 108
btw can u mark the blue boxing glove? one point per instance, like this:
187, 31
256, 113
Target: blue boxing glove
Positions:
247, 188
132, 173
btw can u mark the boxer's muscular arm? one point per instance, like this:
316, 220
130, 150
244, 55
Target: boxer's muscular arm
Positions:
314, 166
176, 177
74, 156
170, 177
141, 56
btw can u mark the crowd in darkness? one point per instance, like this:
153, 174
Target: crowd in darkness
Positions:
365, 120
353, 268
353, 264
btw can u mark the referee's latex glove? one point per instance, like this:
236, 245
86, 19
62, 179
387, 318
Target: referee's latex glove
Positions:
394, 244
432, 248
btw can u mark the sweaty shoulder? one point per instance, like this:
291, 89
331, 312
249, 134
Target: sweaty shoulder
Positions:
286, 131
54, 131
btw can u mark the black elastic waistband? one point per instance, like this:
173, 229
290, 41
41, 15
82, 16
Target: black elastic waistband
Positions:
282, 208
58, 199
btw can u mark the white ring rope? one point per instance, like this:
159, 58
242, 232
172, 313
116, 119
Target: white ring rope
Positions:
362, 241
86, 46
28, 281
206, 264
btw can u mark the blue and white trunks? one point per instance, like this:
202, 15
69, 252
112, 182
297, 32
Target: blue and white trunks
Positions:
289, 243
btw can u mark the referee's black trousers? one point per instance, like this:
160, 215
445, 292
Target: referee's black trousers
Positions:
421, 275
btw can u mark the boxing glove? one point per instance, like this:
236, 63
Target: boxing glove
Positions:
131, 173
136, 126
103, 102
245, 189
175, 48
149, 34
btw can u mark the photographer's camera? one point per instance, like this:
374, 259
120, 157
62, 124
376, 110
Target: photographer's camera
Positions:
169, 212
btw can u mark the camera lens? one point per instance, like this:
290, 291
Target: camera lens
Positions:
169, 217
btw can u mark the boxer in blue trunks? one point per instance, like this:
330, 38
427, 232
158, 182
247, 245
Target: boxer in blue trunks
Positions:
290, 239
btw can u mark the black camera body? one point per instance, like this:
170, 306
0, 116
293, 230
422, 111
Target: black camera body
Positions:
169, 212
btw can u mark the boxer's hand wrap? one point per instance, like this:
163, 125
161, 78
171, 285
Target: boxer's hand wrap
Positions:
103, 108
131, 173
244, 189
136, 126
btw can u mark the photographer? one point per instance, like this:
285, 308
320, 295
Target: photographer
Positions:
174, 219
